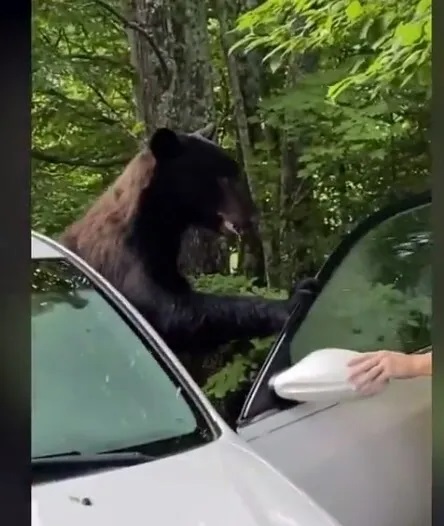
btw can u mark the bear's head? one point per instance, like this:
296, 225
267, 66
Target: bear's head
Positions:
200, 180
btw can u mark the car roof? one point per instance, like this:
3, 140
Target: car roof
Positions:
43, 247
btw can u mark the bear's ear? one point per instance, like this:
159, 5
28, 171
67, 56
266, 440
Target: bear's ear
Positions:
164, 144
208, 132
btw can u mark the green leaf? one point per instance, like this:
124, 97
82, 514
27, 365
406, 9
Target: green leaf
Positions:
139, 127
408, 34
275, 63
423, 7
354, 10
366, 28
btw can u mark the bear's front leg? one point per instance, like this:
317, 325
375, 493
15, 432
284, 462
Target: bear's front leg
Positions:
205, 321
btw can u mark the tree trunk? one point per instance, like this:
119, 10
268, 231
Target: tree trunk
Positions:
174, 88
245, 105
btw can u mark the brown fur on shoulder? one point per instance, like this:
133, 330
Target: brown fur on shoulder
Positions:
103, 228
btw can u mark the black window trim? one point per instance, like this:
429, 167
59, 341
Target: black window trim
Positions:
138, 324
248, 413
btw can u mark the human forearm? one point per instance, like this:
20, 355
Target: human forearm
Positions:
421, 364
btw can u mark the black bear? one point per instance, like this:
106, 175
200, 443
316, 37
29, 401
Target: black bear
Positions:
132, 236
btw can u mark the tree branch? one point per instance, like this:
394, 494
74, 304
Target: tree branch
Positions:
137, 27
111, 108
97, 58
88, 113
87, 163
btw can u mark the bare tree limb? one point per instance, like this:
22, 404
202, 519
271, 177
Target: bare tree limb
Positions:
137, 27
87, 163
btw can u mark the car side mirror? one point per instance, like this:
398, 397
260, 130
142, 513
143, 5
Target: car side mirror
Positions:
321, 376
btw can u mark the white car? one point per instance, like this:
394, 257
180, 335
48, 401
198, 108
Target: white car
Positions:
121, 433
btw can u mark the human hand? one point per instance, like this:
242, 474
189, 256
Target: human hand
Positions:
370, 372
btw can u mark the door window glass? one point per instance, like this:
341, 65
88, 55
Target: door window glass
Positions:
380, 295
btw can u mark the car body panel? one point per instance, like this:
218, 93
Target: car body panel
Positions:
214, 485
363, 460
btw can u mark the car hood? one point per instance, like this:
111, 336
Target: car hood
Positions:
221, 484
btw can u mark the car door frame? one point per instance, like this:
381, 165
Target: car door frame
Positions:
261, 401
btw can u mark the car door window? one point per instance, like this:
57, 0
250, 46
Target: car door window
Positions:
380, 295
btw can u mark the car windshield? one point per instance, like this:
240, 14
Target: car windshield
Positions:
96, 386
379, 297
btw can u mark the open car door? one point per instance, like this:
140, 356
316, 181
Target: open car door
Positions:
367, 461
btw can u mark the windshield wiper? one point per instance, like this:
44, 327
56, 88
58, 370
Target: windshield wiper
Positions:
76, 458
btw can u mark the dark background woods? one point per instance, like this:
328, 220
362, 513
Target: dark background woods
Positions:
326, 106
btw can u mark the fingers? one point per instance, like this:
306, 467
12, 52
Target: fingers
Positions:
359, 359
375, 385
366, 356
368, 376
368, 373
361, 365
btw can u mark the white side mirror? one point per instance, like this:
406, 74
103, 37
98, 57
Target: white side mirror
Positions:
320, 376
